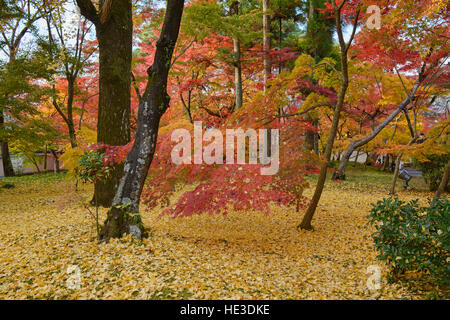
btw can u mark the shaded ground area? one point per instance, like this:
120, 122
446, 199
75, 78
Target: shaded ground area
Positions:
47, 237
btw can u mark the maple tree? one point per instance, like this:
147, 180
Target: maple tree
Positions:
146, 102
401, 48
323, 98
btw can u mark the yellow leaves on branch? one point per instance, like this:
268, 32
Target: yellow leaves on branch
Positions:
70, 157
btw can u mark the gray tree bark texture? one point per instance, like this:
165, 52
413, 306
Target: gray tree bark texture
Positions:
124, 216
340, 174
266, 42
234, 10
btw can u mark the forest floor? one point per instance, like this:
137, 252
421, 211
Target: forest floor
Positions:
48, 248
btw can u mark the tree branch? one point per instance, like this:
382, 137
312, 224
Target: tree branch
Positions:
105, 11
135, 86
88, 10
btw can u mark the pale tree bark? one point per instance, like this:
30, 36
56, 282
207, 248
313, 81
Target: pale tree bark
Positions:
443, 184
340, 174
306, 222
234, 10
266, 42
423, 75
124, 216
56, 161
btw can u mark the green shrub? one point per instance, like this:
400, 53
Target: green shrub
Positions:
414, 238
91, 167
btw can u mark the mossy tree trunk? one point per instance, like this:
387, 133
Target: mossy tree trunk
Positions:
124, 216
114, 29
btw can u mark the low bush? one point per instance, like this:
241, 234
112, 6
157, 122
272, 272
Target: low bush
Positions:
410, 237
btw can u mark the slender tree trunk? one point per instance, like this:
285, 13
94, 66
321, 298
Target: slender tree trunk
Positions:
444, 182
187, 106
36, 165
356, 158
234, 10
280, 31
124, 216
340, 174
70, 97
45, 158
309, 134
266, 42
55, 157
316, 136
307, 218
385, 162
396, 171
6, 156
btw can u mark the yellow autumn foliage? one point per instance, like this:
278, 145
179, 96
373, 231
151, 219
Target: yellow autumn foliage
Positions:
70, 157
53, 253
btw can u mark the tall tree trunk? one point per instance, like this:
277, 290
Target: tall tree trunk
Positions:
312, 136
70, 125
36, 164
280, 31
6, 157
124, 216
45, 158
266, 42
385, 162
6, 160
316, 136
356, 158
340, 174
114, 29
234, 10
309, 134
56, 161
307, 218
396, 171
443, 184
